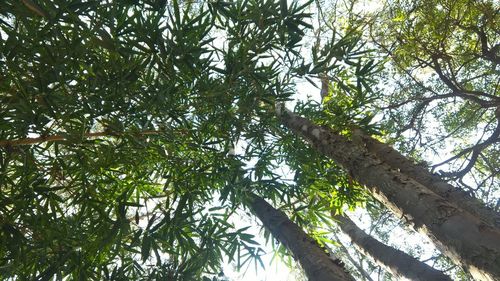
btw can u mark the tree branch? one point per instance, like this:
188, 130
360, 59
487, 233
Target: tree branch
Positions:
53, 138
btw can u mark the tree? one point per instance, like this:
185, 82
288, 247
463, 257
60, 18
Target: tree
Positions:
456, 195
315, 261
399, 263
128, 110
444, 57
429, 70
457, 233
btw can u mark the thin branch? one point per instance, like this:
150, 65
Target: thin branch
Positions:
357, 265
53, 138
465, 94
476, 152
493, 101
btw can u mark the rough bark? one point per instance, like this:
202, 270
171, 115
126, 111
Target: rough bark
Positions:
463, 237
397, 262
461, 198
317, 265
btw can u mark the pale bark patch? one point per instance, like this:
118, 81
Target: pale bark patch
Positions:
316, 133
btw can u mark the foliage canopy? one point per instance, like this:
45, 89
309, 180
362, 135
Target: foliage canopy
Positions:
132, 131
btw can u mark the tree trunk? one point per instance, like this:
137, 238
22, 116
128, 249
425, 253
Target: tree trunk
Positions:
464, 238
397, 262
463, 200
316, 263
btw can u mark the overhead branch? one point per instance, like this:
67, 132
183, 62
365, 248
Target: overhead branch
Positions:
476, 151
463, 93
54, 138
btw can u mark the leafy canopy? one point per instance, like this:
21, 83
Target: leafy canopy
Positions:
117, 121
